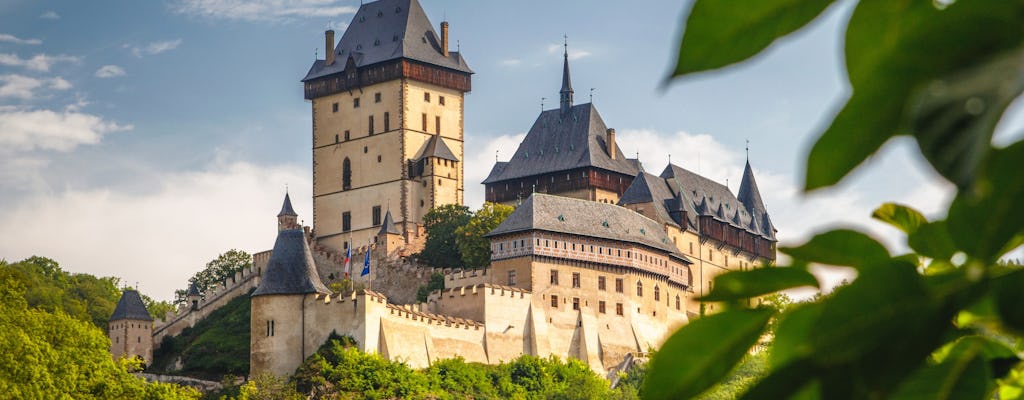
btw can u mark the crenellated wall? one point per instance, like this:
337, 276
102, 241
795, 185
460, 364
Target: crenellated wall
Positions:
185, 316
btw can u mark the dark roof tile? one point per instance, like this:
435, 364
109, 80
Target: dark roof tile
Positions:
130, 306
290, 269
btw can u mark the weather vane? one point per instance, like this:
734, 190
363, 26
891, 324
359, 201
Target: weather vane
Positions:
748, 148
591, 95
542, 103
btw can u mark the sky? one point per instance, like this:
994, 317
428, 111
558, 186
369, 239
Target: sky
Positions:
142, 139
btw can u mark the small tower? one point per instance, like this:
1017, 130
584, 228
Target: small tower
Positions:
389, 236
287, 218
565, 95
131, 328
193, 296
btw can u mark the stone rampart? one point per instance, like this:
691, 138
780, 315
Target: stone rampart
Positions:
186, 316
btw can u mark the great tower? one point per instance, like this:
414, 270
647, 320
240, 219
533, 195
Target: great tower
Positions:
387, 105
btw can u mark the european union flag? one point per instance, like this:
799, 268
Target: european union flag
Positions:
366, 263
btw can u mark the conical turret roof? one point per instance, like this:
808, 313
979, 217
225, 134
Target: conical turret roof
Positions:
291, 269
388, 226
286, 208
131, 307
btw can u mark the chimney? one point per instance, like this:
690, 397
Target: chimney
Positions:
444, 38
610, 142
329, 46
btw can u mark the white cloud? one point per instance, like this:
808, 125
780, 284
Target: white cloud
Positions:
574, 53
512, 62
263, 10
158, 239
39, 62
480, 156
109, 71
24, 87
154, 48
50, 15
4, 37
24, 130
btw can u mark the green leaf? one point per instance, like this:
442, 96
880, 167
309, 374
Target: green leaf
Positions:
840, 247
1008, 291
722, 32
986, 222
900, 216
786, 382
735, 285
702, 352
932, 240
962, 374
791, 339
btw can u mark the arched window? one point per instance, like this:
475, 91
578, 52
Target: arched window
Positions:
346, 174
657, 293
677, 302
639, 289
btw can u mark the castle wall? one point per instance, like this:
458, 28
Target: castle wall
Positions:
278, 333
211, 300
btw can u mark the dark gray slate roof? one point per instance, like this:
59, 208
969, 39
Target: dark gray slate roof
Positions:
290, 269
388, 30
586, 218
193, 290
388, 226
701, 196
130, 307
286, 208
496, 171
436, 147
648, 188
561, 142
750, 196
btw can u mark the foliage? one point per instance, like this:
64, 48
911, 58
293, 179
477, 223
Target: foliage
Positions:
474, 248
942, 322
217, 271
747, 373
217, 345
54, 355
440, 249
436, 283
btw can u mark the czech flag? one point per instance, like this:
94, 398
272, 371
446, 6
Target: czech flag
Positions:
348, 261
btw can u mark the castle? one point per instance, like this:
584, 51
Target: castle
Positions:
601, 261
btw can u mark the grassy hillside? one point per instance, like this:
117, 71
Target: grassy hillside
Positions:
214, 347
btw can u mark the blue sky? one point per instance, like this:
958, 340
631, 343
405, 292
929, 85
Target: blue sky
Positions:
141, 139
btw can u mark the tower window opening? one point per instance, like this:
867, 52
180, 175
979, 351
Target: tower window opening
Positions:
355, 102
424, 122
376, 215
334, 107
440, 100
346, 221
346, 174
370, 125
437, 124
426, 97
376, 97
347, 136
387, 122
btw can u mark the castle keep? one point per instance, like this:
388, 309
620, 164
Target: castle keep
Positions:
601, 261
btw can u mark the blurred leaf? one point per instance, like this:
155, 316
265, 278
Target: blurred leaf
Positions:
962, 373
1009, 299
932, 240
986, 222
840, 247
735, 285
938, 267
789, 381
900, 216
791, 339
722, 32
680, 371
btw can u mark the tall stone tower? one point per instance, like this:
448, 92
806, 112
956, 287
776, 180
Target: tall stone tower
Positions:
387, 108
130, 328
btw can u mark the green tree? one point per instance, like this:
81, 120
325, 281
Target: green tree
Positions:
441, 249
943, 322
50, 288
217, 272
436, 283
474, 248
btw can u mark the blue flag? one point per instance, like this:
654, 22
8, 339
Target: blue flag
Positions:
366, 263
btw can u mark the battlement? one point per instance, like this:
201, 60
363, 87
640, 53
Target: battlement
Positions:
499, 290
412, 313
213, 298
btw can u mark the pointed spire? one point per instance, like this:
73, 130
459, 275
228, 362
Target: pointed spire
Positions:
566, 92
286, 208
748, 193
193, 290
388, 226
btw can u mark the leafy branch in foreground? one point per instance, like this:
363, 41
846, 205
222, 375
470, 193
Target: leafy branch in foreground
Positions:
944, 322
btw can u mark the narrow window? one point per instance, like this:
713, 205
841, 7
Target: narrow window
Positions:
271, 327
426, 97
554, 277
639, 289
376, 215
376, 97
600, 283
387, 122
437, 125
424, 122
512, 277
600, 307
335, 139
691, 247
346, 221
346, 173
575, 279
355, 102
618, 308
139, 338
711, 256
575, 303
618, 285
554, 301
346, 136
657, 293
370, 125
677, 302
440, 100
334, 107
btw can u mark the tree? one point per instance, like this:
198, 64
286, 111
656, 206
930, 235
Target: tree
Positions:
474, 248
441, 250
217, 272
942, 322
436, 283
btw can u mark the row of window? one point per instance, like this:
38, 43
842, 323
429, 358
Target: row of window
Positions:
347, 135
377, 97
346, 219
602, 306
129, 325
138, 339
600, 283
642, 257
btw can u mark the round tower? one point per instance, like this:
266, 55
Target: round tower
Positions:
131, 328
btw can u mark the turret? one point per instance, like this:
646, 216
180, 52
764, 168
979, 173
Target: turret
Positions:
389, 236
565, 95
130, 328
287, 218
193, 296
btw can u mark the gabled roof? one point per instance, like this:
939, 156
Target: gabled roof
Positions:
561, 142
286, 208
388, 226
716, 200
648, 188
436, 147
290, 269
130, 306
587, 218
388, 30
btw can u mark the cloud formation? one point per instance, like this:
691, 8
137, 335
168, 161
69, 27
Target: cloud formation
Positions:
24, 87
39, 62
4, 37
154, 48
26, 130
52, 15
109, 71
263, 10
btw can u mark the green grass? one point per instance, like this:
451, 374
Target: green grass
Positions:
216, 346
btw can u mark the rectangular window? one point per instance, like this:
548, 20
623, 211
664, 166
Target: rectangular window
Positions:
335, 138
575, 303
440, 100
600, 283
347, 136
346, 221
355, 102
334, 107
437, 125
387, 122
426, 97
691, 248
512, 277
618, 285
711, 256
600, 307
554, 301
618, 308
376, 215
575, 279
424, 122
370, 125
376, 97
554, 277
